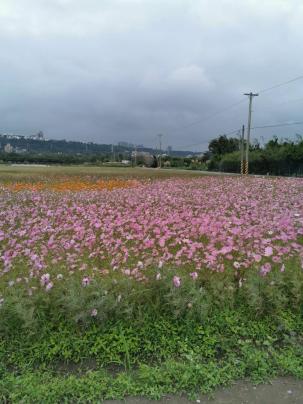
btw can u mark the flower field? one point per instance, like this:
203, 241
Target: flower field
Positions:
145, 230
196, 275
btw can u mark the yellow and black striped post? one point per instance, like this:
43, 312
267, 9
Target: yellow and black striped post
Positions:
242, 167
246, 167
242, 150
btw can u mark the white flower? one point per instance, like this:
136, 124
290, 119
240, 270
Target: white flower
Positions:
94, 313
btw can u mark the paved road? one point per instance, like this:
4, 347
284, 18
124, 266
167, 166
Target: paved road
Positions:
280, 391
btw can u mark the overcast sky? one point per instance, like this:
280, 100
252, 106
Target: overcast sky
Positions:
126, 70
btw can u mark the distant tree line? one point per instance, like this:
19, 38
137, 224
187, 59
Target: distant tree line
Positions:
276, 157
187, 163
29, 145
52, 158
56, 146
190, 163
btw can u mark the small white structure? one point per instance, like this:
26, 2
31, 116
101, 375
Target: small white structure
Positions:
8, 148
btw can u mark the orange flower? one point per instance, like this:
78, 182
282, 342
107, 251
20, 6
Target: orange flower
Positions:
75, 184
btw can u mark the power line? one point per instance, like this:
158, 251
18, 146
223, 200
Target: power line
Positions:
231, 133
255, 127
289, 101
238, 103
281, 84
211, 116
207, 140
278, 125
235, 104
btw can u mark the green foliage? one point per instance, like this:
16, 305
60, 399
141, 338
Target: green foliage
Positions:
276, 158
223, 145
154, 339
53, 158
120, 298
154, 357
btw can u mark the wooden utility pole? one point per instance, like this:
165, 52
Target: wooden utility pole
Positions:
113, 153
136, 152
250, 95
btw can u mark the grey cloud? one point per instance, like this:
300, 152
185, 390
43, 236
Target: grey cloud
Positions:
129, 69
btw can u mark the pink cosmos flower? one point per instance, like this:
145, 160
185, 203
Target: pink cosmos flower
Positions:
282, 268
223, 218
257, 257
177, 281
162, 242
44, 279
236, 265
49, 286
85, 281
268, 251
94, 313
194, 275
265, 269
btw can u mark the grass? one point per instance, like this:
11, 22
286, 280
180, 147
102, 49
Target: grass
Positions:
9, 173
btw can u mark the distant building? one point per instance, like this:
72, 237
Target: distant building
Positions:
8, 148
38, 136
12, 136
20, 150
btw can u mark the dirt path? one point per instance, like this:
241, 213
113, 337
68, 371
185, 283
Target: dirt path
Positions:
284, 390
